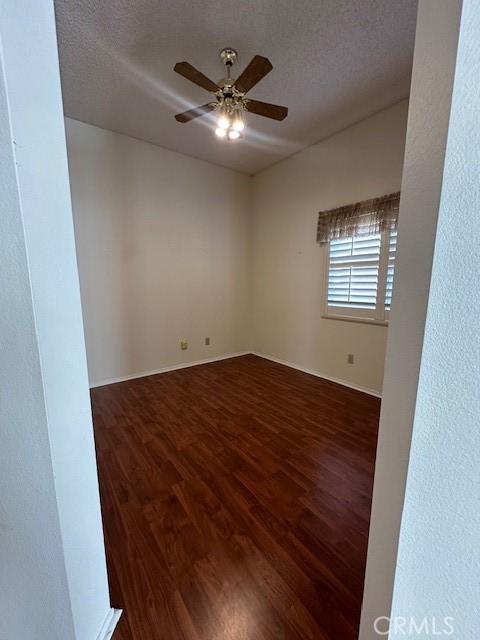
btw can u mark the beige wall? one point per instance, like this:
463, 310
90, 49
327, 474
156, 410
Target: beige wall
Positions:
162, 243
170, 247
360, 162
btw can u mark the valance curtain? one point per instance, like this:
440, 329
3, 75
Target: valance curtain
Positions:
362, 218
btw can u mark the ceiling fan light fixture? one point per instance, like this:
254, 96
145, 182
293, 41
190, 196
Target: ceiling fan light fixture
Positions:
233, 134
223, 121
238, 124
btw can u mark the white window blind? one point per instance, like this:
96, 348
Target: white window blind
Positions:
392, 248
358, 267
353, 273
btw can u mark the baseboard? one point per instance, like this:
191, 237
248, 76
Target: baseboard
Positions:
319, 374
108, 627
286, 363
182, 365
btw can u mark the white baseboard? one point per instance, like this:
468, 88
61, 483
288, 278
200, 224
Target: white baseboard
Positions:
319, 374
182, 365
108, 627
185, 365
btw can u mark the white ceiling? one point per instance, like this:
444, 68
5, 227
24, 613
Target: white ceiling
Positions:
334, 63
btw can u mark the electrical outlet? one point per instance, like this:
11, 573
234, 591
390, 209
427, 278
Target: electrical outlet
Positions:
350, 358
183, 345
207, 342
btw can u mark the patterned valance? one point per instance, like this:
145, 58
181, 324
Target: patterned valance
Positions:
362, 218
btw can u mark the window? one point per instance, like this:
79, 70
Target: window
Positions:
360, 276
392, 248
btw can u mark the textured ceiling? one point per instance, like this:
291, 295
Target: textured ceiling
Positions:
334, 63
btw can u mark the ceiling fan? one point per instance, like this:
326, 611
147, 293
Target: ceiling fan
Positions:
231, 103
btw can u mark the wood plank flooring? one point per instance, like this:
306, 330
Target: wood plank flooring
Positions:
236, 502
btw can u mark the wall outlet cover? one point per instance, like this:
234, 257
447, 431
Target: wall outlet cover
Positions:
207, 341
350, 358
183, 345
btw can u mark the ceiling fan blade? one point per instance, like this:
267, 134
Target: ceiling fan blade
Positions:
189, 72
191, 114
257, 69
266, 109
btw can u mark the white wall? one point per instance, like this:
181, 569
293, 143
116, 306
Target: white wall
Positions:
162, 243
360, 162
430, 99
53, 580
170, 247
439, 551
29, 510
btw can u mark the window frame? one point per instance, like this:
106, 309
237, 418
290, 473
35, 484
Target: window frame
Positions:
378, 316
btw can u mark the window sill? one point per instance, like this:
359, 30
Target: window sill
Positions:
379, 323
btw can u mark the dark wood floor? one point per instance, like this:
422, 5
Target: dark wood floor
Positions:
236, 502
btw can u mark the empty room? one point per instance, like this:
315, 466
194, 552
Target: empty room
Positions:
227, 346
